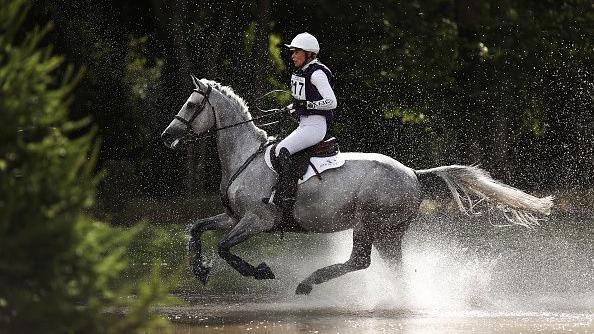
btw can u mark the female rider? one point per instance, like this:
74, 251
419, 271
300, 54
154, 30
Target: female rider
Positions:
314, 102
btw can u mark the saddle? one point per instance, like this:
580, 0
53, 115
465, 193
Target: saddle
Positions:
301, 159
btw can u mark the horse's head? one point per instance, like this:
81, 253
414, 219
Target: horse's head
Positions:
195, 117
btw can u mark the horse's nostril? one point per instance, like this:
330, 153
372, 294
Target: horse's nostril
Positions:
167, 138
164, 135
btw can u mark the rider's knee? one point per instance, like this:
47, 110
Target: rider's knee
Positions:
284, 152
284, 157
281, 149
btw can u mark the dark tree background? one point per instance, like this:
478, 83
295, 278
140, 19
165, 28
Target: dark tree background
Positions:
505, 84
87, 86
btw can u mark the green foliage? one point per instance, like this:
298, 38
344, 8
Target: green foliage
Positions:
250, 37
406, 115
156, 246
274, 40
58, 267
141, 78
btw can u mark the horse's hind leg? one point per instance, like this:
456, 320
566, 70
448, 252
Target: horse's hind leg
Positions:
360, 259
218, 222
388, 241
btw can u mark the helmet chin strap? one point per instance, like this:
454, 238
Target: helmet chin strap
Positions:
309, 58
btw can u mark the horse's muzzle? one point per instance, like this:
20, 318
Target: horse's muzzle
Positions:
169, 140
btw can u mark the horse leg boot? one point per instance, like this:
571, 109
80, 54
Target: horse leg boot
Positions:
218, 222
360, 259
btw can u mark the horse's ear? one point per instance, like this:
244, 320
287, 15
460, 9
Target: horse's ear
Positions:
198, 83
195, 81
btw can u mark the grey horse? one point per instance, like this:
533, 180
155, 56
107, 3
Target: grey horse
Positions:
372, 194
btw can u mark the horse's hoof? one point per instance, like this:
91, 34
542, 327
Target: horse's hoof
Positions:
201, 272
263, 272
303, 289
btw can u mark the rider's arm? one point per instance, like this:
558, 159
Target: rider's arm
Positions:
328, 101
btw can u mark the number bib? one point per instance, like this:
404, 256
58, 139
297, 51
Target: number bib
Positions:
298, 87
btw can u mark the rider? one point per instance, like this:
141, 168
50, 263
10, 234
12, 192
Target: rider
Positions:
314, 102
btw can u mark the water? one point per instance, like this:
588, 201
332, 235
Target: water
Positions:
458, 275
263, 316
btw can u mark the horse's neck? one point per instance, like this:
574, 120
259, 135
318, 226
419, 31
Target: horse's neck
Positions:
238, 143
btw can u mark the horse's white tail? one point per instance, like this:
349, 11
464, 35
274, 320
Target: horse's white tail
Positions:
477, 186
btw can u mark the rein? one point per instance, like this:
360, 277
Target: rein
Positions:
211, 132
272, 113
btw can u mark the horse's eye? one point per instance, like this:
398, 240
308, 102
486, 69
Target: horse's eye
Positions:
191, 105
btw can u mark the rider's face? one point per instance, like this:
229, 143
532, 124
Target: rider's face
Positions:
298, 57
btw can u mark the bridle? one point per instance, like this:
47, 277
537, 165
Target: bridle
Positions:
212, 131
205, 100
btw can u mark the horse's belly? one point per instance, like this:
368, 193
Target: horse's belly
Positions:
330, 208
372, 186
323, 224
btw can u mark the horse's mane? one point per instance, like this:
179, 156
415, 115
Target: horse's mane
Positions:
238, 100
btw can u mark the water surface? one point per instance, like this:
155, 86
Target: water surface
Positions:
458, 275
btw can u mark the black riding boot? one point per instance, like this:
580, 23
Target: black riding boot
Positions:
286, 187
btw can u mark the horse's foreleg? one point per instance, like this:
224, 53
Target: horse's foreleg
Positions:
360, 259
218, 222
248, 226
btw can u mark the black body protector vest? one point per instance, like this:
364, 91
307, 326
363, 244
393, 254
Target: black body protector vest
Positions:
303, 90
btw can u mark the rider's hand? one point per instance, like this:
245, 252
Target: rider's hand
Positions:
304, 104
290, 109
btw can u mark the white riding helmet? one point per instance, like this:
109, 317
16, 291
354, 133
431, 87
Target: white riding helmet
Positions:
306, 42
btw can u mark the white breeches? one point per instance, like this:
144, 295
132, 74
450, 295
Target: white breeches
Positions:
311, 131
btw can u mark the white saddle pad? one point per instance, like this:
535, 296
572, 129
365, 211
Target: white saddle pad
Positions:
321, 164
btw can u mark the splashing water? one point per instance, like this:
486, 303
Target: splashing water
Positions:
433, 277
457, 275
452, 267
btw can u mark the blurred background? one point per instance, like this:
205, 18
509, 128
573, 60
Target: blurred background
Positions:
86, 88
504, 84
